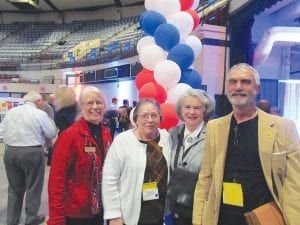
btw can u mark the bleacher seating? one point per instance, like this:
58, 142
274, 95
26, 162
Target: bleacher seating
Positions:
15, 78
47, 42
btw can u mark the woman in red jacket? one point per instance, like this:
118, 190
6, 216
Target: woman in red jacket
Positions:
76, 170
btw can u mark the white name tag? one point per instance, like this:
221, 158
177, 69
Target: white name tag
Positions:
150, 191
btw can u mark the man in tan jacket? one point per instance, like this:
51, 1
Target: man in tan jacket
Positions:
250, 158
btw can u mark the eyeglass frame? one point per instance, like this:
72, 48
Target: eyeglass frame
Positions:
92, 103
145, 116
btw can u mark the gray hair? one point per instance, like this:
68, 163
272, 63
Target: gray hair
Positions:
32, 96
91, 89
143, 102
245, 66
206, 100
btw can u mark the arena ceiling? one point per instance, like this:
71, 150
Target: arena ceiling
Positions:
38, 6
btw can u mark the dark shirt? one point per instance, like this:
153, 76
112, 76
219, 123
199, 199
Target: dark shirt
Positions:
65, 117
243, 166
152, 211
96, 130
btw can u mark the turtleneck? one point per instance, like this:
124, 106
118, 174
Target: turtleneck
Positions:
95, 130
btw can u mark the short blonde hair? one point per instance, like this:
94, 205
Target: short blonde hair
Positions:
65, 96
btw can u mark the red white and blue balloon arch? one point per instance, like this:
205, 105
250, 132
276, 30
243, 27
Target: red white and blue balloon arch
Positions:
167, 51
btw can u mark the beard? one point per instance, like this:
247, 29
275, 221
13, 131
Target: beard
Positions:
239, 99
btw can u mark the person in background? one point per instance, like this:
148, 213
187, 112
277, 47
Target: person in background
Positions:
194, 108
134, 104
74, 186
114, 103
48, 147
124, 112
112, 116
135, 173
24, 130
47, 108
250, 158
51, 102
67, 108
264, 105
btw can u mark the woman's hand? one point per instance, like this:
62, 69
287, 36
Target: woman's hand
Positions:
116, 221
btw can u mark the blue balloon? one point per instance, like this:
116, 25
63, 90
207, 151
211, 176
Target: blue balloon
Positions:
166, 36
141, 19
183, 55
192, 78
151, 20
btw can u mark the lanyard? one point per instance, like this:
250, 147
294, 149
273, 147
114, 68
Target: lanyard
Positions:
180, 143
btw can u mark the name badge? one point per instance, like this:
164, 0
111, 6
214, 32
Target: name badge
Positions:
150, 191
90, 149
233, 194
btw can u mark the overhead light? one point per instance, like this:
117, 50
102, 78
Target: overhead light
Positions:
25, 4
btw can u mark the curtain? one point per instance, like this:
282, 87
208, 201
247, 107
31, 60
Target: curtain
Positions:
289, 99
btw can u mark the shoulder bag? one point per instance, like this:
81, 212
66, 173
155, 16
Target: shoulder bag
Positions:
181, 186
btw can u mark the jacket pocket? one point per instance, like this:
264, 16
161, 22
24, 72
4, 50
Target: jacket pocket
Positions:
279, 171
279, 165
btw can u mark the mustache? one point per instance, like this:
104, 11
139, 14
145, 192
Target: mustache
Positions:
241, 93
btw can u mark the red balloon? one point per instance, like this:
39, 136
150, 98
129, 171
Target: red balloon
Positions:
195, 16
170, 118
186, 4
153, 90
143, 77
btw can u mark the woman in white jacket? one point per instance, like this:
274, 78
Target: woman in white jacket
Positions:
136, 171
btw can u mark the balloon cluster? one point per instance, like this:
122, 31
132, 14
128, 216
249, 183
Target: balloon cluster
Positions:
167, 52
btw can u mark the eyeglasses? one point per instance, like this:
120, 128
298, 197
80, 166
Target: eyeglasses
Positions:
153, 116
91, 103
188, 107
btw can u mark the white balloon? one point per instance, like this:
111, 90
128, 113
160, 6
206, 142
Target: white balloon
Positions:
144, 41
131, 118
174, 93
167, 73
184, 22
195, 43
151, 55
168, 7
195, 4
152, 4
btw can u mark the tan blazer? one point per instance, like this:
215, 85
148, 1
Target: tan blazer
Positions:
279, 151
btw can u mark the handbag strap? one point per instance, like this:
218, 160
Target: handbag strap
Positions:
179, 144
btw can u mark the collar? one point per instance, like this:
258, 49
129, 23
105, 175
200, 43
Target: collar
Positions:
195, 133
30, 103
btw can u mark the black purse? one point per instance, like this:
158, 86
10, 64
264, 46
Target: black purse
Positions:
181, 191
181, 186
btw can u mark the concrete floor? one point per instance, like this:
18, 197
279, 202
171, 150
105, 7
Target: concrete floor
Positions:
3, 193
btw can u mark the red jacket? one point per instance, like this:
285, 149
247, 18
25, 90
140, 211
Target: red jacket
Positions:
70, 182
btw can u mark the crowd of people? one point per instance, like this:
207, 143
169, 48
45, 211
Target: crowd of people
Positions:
203, 171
